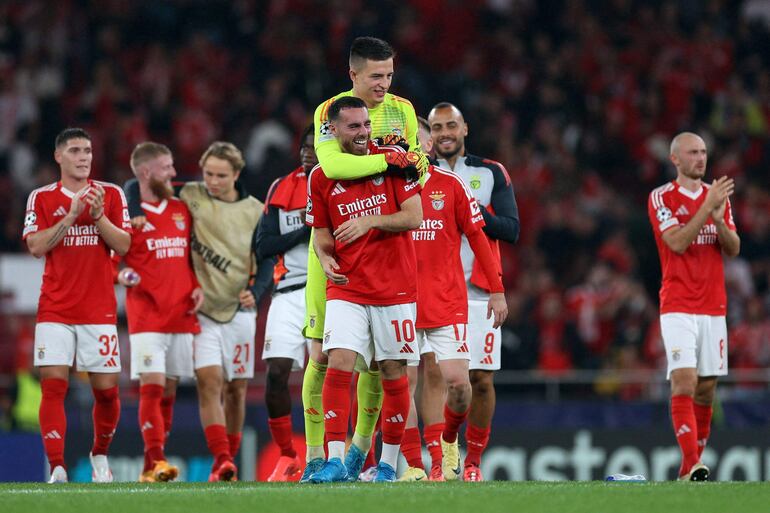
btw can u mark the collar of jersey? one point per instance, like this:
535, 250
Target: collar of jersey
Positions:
155, 209
690, 194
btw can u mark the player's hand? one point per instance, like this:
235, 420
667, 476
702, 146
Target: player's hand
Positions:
138, 222
392, 140
498, 307
95, 199
330, 267
197, 299
78, 204
398, 160
353, 229
718, 214
247, 299
128, 277
720, 190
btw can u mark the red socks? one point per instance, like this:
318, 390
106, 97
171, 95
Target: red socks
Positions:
685, 429
106, 413
431, 434
336, 402
53, 421
476, 439
395, 409
410, 447
280, 430
151, 423
234, 442
703, 422
452, 423
167, 410
216, 440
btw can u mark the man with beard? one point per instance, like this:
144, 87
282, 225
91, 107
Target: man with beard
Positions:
694, 228
491, 186
162, 297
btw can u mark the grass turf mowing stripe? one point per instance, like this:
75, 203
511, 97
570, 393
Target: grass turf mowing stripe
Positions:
518, 497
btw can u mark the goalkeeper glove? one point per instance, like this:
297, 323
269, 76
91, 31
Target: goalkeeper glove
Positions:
392, 140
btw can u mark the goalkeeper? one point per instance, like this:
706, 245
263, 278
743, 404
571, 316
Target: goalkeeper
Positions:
392, 117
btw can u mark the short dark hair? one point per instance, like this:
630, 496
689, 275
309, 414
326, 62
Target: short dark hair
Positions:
70, 133
423, 123
445, 105
346, 102
369, 48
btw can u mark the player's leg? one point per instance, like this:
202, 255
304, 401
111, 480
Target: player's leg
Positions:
347, 337
410, 445
395, 345
312, 406
484, 347
238, 365
432, 399
455, 412
167, 404
148, 351
369, 396
53, 355
315, 373
284, 351
679, 333
98, 353
703, 401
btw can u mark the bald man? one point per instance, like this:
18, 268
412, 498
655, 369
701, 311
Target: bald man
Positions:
693, 225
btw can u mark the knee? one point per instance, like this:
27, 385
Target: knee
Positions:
278, 376
684, 383
482, 382
459, 388
209, 387
392, 369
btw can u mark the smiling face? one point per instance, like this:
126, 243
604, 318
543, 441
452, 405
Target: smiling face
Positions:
307, 153
448, 130
688, 153
74, 158
371, 80
353, 129
159, 172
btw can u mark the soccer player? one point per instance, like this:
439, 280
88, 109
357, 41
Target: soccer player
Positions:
75, 223
282, 233
162, 296
491, 186
224, 225
367, 254
694, 227
371, 72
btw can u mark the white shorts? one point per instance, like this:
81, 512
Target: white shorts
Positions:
695, 342
229, 345
425, 348
483, 340
94, 347
168, 353
447, 342
379, 332
283, 333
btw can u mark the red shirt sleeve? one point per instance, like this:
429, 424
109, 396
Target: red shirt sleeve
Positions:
660, 213
467, 211
117, 208
317, 214
404, 189
35, 219
729, 220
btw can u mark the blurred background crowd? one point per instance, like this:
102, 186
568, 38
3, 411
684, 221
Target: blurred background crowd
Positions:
577, 99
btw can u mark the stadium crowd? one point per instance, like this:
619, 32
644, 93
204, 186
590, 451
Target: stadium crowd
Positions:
579, 101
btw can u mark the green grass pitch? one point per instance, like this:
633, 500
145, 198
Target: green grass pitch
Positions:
509, 497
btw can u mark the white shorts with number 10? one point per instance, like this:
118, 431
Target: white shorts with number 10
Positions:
374, 332
695, 342
483, 339
229, 345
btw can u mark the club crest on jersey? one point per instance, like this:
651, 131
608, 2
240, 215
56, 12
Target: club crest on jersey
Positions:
475, 182
663, 214
30, 219
437, 200
378, 180
179, 221
312, 321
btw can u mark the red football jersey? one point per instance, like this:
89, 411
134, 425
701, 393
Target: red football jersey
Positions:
693, 282
77, 282
160, 254
381, 266
449, 211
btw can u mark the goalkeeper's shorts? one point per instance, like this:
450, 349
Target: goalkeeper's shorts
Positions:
315, 296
